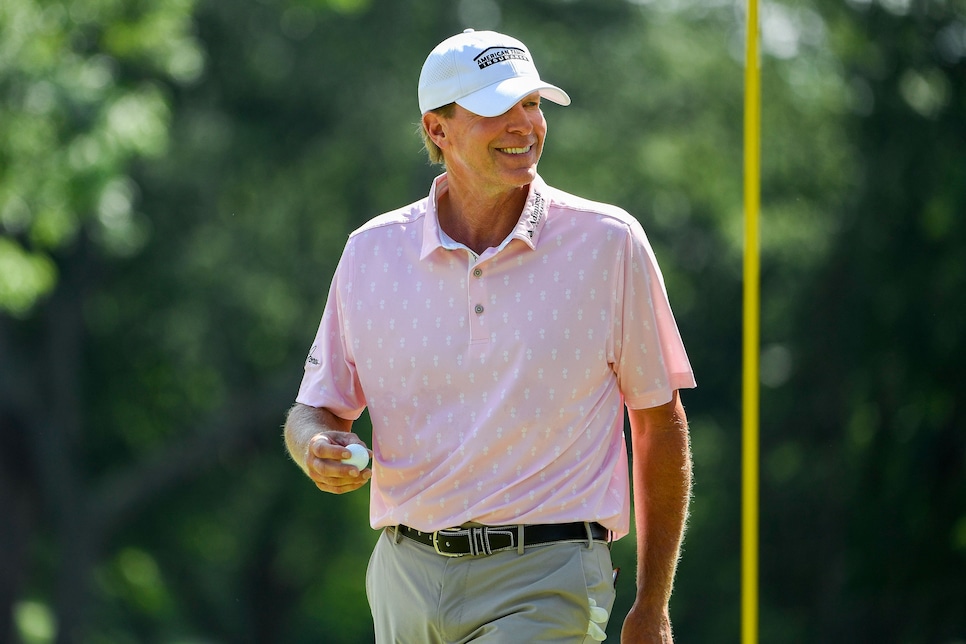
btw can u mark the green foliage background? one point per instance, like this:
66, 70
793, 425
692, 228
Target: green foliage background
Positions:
177, 178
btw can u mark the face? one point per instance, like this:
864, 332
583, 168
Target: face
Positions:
491, 154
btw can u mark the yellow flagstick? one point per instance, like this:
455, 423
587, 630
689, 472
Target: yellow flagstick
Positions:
751, 314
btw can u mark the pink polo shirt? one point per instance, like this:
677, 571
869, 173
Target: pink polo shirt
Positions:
496, 384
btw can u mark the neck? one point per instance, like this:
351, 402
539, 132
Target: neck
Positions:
479, 220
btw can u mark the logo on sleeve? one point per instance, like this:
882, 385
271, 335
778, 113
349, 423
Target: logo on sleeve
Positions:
311, 359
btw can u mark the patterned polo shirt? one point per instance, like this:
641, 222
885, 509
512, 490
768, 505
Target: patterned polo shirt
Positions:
496, 384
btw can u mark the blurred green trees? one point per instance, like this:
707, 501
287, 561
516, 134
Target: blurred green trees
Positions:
83, 98
177, 180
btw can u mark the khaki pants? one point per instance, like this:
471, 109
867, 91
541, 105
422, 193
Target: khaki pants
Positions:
548, 594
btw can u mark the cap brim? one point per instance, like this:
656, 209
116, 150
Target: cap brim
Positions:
497, 98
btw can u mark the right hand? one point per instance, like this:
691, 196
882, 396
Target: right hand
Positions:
325, 466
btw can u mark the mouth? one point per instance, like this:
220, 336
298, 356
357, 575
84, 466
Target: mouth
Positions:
516, 151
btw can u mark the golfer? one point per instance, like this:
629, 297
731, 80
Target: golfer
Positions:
496, 330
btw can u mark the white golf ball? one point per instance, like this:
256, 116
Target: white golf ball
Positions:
359, 458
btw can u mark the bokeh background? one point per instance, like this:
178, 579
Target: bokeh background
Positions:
178, 177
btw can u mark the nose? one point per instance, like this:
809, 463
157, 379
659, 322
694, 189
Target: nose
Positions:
518, 120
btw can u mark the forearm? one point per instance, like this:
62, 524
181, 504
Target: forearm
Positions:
662, 489
304, 423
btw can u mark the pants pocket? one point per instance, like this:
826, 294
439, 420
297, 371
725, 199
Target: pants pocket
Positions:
599, 582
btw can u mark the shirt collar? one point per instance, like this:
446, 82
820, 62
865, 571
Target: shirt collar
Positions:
534, 216
528, 228
431, 230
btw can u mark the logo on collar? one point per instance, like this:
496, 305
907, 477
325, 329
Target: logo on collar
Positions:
537, 213
493, 55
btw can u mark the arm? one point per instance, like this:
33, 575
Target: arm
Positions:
315, 438
662, 489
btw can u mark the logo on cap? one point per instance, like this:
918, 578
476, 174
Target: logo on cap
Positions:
494, 55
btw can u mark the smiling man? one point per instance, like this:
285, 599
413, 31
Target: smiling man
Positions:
497, 330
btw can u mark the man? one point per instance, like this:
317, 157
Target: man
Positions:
496, 330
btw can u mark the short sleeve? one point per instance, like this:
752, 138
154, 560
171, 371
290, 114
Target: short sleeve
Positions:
651, 360
330, 378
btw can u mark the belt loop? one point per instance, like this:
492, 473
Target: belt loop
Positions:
590, 535
479, 541
396, 535
519, 538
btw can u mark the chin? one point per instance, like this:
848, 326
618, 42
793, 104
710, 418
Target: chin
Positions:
528, 175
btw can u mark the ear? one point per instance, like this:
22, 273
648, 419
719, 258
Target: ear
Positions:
435, 128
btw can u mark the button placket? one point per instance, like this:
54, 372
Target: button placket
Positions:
478, 308
477, 297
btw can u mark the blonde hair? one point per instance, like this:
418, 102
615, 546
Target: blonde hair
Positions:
432, 150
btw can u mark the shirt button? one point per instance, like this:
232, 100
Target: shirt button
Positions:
478, 272
478, 309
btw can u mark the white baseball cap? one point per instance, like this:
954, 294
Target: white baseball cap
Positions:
482, 71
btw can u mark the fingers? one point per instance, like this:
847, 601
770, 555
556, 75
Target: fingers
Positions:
340, 486
325, 466
335, 477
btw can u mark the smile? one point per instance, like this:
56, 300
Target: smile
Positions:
516, 150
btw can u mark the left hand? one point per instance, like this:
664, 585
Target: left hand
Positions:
646, 627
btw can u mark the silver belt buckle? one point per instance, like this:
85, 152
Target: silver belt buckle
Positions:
440, 552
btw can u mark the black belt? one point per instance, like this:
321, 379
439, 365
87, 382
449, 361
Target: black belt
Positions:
485, 540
